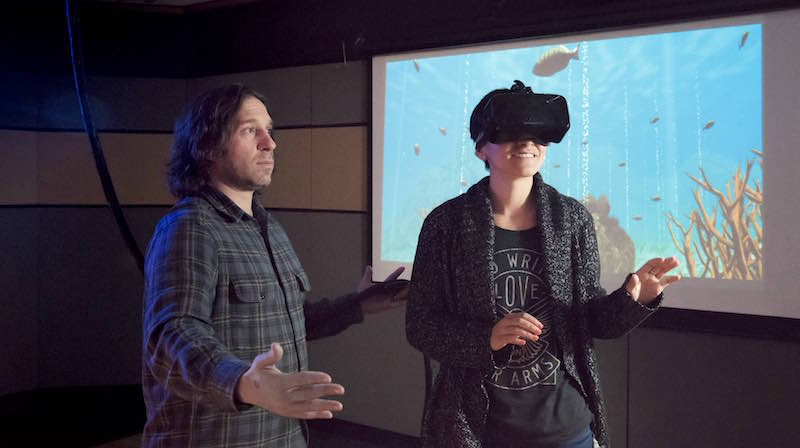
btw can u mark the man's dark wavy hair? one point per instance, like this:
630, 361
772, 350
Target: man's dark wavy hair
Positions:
201, 134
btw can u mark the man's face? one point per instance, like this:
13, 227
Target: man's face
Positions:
250, 152
522, 158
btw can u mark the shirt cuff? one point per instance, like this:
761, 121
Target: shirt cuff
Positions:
225, 378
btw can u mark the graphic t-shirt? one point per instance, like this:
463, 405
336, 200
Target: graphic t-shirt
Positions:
531, 401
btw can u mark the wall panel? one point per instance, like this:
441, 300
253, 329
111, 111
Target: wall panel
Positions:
287, 90
291, 178
67, 173
137, 165
339, 168
339, 94
705, 390
19, 320
18, 169
136, 104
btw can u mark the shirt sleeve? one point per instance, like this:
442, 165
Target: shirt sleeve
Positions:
610, 315
180, 348
327, 317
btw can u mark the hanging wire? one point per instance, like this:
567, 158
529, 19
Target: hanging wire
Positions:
79, 75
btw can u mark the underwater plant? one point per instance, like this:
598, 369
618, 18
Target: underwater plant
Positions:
729, 247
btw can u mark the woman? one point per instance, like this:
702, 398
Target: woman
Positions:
505, 294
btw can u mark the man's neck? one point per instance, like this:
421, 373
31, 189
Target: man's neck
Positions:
242, 199
512, 205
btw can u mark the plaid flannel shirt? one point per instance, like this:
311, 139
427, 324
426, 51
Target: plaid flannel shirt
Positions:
220, 287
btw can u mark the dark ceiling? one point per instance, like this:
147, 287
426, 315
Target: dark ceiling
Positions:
236, 36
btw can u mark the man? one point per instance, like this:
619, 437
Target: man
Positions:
505, 294
225, 323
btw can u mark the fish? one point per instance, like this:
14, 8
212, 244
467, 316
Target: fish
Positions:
416, 64
708, 125
655, 198
654, 120
622, 164
744, 39
556, 165
423, 213
416, 149
554, 60
585, 142
636, 218
443, 131
463, 183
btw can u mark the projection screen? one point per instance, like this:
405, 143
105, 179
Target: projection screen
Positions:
684, 141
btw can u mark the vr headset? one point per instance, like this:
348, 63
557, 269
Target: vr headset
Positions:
520, 114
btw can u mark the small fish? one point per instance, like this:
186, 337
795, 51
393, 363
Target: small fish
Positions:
636, 218
416, 64
622, 164
554, 60
416, 149
423, 213
463, 183
708, 125
585, 142
654, 120
744, 39
443, 131
655, 198
556, 165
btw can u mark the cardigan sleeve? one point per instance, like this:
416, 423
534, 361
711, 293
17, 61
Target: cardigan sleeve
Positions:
610, 315
433, 324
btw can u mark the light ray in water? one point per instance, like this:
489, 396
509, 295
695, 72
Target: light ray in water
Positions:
569, 140
462, 186
584, 54
627, 163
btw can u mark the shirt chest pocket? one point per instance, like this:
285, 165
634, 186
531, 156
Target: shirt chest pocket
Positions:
264, 294
256, 295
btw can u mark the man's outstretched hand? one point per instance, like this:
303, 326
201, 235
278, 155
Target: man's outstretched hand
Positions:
296, 395
388, 294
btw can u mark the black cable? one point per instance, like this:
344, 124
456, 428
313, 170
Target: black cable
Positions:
76, 54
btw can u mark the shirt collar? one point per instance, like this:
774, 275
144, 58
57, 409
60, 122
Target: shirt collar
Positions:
227, 207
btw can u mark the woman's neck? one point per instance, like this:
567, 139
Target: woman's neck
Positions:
513, 207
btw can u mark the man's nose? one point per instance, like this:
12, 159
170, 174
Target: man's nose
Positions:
267, 143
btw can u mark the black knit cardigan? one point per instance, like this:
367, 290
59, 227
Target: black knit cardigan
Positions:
451, 310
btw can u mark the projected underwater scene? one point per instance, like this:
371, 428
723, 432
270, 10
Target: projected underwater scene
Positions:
664, 147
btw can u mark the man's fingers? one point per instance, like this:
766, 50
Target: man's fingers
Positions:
314, 391
270, 358
318, 409
395, 274
307, 378
315, 415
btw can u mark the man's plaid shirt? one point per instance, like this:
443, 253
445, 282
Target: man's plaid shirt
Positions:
215, 280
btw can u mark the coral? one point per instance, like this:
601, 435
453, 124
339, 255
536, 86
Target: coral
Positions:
731, 247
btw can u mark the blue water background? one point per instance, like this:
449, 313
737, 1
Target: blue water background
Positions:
614, 90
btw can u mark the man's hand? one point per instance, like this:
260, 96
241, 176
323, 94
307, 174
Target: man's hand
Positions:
514, 329
381, 300
294, 395
650, 280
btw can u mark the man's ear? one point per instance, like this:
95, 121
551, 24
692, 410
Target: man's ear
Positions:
480, 154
